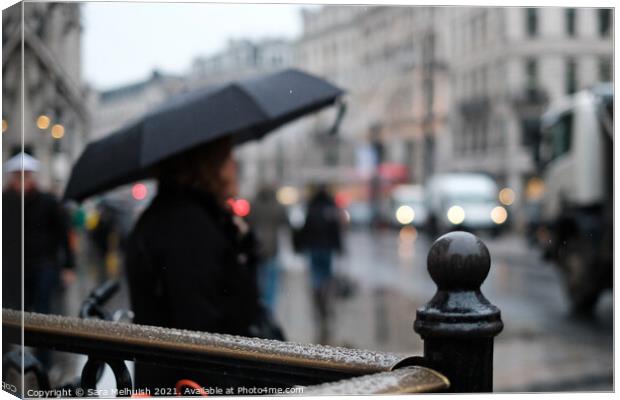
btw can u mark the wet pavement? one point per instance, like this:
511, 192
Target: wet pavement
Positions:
541, 349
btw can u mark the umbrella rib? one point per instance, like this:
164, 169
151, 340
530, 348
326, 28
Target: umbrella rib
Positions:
249, 96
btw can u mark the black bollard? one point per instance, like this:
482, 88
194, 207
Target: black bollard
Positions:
458, 324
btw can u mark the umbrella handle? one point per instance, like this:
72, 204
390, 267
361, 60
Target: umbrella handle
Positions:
342, 109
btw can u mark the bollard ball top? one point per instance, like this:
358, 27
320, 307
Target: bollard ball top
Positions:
458, 261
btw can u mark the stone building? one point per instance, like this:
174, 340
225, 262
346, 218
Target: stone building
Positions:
507, 64
53, 104
242, 58
117, 107
393, 64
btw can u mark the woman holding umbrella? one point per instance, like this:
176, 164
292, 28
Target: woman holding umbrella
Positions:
191, 262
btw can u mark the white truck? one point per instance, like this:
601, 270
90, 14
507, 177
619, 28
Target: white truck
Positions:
576, 161
466, 201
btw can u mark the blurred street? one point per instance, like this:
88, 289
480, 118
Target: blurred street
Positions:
294, 166
541, 348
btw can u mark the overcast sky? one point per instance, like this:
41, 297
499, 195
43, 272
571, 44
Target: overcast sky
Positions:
123, 42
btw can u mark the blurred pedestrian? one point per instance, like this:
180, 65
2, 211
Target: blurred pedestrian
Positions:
191, 262
321, 236
267, 217
47, 256
105, 237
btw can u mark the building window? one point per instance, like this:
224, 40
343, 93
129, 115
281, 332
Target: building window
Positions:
532, 21
571, 16
571, 76
468, 142
604, 22
530, 129
604, 69
483, 135
499, 132
561, 136
531, 73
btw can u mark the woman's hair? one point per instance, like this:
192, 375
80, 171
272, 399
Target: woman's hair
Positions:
199, 167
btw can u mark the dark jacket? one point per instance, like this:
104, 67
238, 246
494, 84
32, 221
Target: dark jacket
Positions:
189, 267
46, 241
322, 230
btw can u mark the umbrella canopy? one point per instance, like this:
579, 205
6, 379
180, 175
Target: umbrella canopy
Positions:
246, 110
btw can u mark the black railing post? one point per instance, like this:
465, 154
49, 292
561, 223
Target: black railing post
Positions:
459, 324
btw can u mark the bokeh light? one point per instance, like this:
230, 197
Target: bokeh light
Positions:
139, 191
499, 215
58, 131
287, 195
456, 215
5, 125
506, 196
405, 215
241, 207
43, 122
535, 189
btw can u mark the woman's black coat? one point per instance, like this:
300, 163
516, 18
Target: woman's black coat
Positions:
189, 267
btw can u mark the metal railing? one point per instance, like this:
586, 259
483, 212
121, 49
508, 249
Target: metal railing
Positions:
458, 326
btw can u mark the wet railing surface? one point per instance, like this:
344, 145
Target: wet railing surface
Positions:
400, 381
124, 341
457, 325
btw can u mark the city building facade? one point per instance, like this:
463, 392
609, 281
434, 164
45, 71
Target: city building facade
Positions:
241, 58
393, 64
507, 64
42, 86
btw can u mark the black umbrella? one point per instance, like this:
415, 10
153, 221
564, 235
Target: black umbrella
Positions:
246, 110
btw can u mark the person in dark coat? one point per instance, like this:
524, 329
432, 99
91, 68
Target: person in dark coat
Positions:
48, 259
47, 256
191, 263
321, 236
